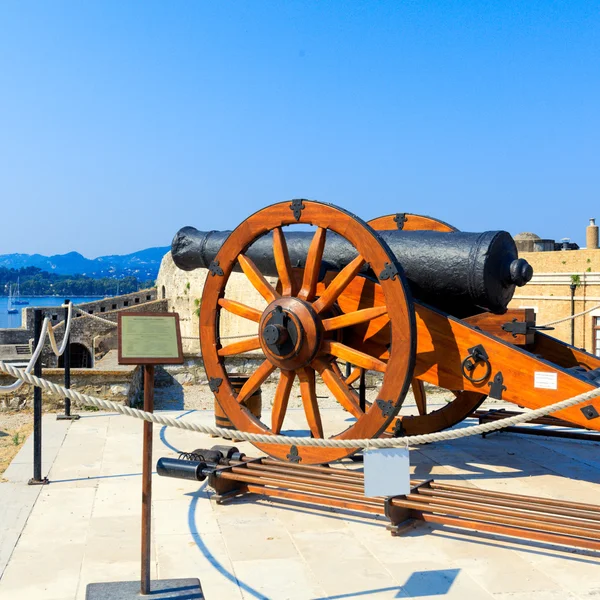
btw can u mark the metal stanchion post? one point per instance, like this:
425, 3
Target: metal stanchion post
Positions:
67, 367
37, 478
362, 390
147, 480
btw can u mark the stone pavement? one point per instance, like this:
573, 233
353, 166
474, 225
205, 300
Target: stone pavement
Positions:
85, 526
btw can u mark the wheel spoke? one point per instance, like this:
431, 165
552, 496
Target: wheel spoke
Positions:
346, 396
282, 262
309, 400
313, 265
418, 388
255, 380
262, 286
339, 284
356, 357
354, 318
354, 376
252, 343
241, 310
280, 402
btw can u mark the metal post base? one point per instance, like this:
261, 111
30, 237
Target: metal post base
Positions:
67, 417
43, 481
171, 589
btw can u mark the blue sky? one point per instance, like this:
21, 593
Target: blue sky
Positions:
121, 122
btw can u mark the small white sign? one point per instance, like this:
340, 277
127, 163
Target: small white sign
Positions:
545, 381
387, 472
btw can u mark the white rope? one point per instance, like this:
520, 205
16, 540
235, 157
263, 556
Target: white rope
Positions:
584, 312
427, 438
47, 330
90, 316
221, 337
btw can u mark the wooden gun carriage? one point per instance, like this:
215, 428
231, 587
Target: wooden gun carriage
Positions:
406, 296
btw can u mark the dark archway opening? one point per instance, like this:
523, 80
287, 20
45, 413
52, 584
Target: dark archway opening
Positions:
80, 357
164, 292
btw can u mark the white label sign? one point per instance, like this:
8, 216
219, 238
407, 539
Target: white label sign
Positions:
545, 381
387, 472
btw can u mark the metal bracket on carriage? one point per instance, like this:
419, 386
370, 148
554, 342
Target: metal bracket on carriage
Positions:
214, 383
293, 456
497, 386
297, 206
389, 272
477, 354
215, 269
590, 412
401, 518
398, 430
523, 327
386, 407
400, 219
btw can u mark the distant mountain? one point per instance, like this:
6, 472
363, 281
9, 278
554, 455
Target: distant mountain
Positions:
143, 264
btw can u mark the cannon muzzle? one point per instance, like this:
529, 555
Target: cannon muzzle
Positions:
458, 272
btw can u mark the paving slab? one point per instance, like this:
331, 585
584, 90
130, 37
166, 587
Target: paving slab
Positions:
85, 526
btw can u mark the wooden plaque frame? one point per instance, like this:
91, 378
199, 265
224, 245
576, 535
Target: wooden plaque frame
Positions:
154, 360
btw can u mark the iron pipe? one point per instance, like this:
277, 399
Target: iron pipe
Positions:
291, 478
485, 517
551, 538
458, 272
316, 499
319, 476
507, 512
572, 512
533, 499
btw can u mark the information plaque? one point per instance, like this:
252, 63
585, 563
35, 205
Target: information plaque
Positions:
149, 339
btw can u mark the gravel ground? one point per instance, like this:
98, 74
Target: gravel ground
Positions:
15, 427
199, 397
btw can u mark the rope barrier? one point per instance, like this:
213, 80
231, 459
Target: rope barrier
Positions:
584, 312
427, 438
47, 330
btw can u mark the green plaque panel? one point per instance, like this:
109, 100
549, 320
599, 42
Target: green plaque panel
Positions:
149, 338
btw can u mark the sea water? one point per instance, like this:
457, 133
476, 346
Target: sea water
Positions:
7, 320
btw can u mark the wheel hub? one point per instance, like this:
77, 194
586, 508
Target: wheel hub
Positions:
290, 333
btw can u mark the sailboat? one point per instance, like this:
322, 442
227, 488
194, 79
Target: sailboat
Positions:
11, 310
17, 297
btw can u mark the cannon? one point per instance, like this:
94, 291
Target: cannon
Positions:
404, 296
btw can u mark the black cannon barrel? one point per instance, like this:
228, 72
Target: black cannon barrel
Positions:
458, 272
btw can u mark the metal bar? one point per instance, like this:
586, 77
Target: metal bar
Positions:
294, 479
568, 435
573, 512
67, 416
37, 405
362, 390
67, 362
508, 512
334, 476
533, 499
316, 499
270, 461
573, 287
497, 414
292, 486
489, 518
147, 481
551, 538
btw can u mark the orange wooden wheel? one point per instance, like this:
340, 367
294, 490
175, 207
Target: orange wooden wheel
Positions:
465, 402
409, 222
296, 329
